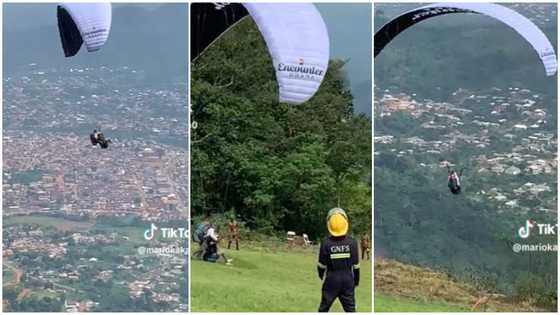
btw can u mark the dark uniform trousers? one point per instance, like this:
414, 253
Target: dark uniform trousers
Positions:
339, 266
341, 286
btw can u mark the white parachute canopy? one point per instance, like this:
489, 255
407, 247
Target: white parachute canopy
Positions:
89, 23
522, 25
298, 42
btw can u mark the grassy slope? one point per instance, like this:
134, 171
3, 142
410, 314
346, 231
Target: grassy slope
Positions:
406, 288
266, 281
388, 303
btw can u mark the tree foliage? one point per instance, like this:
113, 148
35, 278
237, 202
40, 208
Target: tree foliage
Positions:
275, 164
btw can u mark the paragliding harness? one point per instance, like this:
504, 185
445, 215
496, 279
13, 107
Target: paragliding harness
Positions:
211, 254
208, 249
454, 181
200, 232
99, 138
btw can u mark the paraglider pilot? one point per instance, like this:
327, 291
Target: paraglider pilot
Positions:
454, 180
339, 264
98, 138
93, 137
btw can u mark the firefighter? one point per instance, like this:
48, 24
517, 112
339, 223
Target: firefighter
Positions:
339, 264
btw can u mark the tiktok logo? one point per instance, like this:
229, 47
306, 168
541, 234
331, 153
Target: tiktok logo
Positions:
525, 231
166, 232
151, 232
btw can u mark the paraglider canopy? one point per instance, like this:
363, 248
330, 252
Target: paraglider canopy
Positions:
295, 34
523, 26
87, 23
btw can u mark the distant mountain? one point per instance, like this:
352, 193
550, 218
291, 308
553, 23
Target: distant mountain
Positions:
349, 28
362, 97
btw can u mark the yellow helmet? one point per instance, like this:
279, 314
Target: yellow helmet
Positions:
337, 222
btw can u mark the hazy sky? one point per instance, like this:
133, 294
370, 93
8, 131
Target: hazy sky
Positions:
19, 16
349, 27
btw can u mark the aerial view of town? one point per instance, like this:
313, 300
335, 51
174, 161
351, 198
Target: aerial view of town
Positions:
506, 133
77, 219
95, 181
